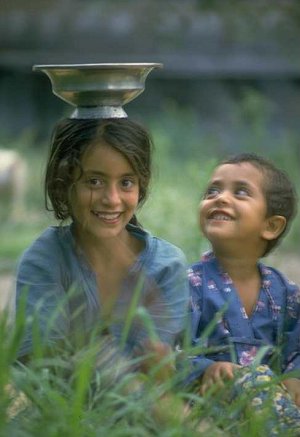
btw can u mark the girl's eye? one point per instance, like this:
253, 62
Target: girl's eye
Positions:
128, 183
211, 192
95, 182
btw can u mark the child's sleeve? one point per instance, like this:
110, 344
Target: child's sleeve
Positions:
291, 335
198, 362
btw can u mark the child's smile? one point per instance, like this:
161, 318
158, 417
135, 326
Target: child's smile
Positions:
234, 208
219, 215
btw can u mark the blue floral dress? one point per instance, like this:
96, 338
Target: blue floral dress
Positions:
266, 344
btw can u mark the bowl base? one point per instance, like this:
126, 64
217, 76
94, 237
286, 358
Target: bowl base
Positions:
99, 112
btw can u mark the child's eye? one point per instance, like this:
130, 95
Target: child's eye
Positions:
211, 192
242, 192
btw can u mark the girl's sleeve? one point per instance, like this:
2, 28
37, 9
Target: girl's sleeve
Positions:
291, 330
39, 290
165, 299
169, 311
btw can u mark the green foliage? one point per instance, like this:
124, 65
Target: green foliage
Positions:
93, 391
171, 211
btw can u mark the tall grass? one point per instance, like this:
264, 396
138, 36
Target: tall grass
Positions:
94, 391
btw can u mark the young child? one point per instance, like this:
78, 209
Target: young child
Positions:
246, 210
81, 274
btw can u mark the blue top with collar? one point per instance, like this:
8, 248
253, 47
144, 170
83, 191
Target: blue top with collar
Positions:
61, 291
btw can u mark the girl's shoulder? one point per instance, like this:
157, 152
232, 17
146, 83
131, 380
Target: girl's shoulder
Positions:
49, 244
166, 248
53, 235
156, 248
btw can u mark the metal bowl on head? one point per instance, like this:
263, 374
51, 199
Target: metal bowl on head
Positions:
98, 90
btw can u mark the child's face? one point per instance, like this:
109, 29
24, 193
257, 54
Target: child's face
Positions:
233, 211
105, 198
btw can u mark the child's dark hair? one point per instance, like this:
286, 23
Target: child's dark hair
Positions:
72, 137
279, 192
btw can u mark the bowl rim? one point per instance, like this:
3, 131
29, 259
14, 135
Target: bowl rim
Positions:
103, 66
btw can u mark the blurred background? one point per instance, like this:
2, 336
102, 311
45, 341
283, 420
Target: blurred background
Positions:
230, 83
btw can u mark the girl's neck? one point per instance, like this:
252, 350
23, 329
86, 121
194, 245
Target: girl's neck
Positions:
111, 260
111, 251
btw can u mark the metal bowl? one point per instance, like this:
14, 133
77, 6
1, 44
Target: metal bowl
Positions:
98, 90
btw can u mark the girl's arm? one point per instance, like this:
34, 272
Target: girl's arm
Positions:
168, 305
39, 290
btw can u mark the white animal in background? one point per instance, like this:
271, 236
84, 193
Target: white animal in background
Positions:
13, 184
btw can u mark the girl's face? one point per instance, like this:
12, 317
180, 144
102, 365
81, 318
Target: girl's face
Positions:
106, 196
233, 211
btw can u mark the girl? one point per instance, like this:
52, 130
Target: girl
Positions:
245, 211
84, 274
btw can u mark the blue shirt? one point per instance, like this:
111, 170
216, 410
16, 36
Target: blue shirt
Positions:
61, 291
233, 336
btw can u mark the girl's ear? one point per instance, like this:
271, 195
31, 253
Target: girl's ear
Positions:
275, 225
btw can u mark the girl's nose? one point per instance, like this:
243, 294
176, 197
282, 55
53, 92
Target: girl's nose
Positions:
111, 195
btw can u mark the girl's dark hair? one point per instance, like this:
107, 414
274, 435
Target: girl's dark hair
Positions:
279, 192
72, 137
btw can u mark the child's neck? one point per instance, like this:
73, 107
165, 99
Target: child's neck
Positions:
237, 267
246, 278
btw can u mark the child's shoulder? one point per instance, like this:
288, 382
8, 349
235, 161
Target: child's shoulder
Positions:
274, 274
206, 258
195, 270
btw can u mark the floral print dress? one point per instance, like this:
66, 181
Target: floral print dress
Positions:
266, 344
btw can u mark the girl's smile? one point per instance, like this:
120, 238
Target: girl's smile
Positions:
106, 195
107, 217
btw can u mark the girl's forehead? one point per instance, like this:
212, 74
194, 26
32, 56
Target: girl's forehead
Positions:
103, 157
94, 146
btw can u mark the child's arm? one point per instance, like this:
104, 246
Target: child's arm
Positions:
216, 374
293, 386
291, 349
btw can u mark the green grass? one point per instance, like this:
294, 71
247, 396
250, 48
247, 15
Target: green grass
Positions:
92, 391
